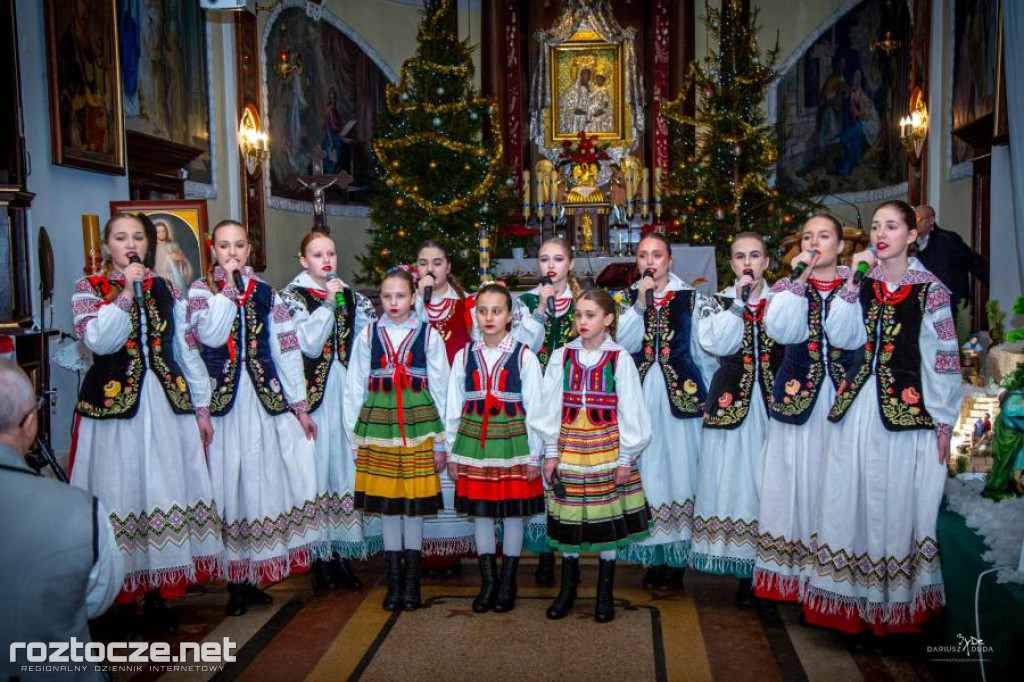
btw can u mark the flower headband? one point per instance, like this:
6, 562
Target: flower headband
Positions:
411, 269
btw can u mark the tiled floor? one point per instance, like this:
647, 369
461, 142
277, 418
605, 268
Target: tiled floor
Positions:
696, 634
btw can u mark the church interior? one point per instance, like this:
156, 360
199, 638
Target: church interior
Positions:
492, 127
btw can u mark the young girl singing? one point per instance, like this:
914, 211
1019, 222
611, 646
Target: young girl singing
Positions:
594, 426
736, 416
675, 372
546, 324
494, 403
328, 315
798, 428
262, 454
875, 554
447, 537
138, 441
394, 394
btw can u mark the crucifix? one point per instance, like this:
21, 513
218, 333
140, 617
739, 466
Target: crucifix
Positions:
317, 183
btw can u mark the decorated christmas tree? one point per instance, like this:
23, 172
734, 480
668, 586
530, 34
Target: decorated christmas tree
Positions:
724, 152
438, 156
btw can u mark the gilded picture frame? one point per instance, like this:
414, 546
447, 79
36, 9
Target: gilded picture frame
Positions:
587, 92
180, 254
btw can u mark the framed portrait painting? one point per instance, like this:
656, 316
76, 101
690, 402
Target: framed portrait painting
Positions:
587, 91
84, 79
180, 255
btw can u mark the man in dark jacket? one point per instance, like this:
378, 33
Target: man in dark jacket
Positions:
947, 257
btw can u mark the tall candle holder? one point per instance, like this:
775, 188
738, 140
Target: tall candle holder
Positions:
91, 244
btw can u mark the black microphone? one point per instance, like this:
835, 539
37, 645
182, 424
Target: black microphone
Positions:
862, 268
649, 299
236, 276
800, 267
428, 291
545, 281
134, 259
557, 487
745, 291
860, 223
339, 298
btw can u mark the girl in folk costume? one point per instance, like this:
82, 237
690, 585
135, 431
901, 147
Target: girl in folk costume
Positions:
140, 427
446, 537
261, 456
398, 434
493, 405
675, 372
328, 315
736, 416
798, 428
595, 427
546, 323
875, 554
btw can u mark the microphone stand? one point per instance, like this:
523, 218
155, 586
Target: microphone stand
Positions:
860, 222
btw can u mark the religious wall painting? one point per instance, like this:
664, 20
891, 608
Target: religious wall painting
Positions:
975, 67
86, 125
587, 94
323, 90
839, 103
164, 65
181, 256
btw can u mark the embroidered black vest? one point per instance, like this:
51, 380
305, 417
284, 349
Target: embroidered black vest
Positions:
804, 366
223, 363
382, 368
667, 341
112, 385
506, 386
337, 346
892, 355
558, 329
751, 368
590, 388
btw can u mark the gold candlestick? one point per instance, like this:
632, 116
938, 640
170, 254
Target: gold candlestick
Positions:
91, 244
526, 195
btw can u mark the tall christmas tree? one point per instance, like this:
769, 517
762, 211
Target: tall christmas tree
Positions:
724, 153
438, 156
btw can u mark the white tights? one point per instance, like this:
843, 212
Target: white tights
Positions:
512, 542
391, 527
606, 555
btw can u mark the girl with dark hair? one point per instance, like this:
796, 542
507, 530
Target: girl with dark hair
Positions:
494, 405
140, 428
802, 395
394, 398
875, 552
262, 453
328, 315
675, 372
595, 426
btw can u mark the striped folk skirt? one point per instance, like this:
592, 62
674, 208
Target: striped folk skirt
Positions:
492, 479
595, 514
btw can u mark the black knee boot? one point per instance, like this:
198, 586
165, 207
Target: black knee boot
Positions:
322, 578
484, 601
254, 595
411, 595
343, 574
156, 617
745, 593
545, 574
567, 593
654, 577
604, 610
236, 605
506, 600
393, 563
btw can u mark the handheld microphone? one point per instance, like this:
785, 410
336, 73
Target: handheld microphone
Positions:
745, 291
862, 268
557, 487
545, 281
134, 259
236, 276
428, 291
649, 299
800, 267
339, 298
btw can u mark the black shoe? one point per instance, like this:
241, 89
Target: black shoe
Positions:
745, 593
604, 610
236, 605
484, 601
343, 574
255, 595
506, 600
672, 579
567, 592
322, 578
126, 625
411, 593
393, 564
545, 574
156, 617
654, 577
